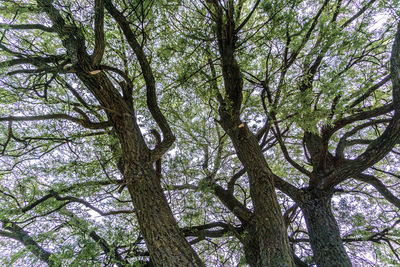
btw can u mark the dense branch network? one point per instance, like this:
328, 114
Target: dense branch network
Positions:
268, 107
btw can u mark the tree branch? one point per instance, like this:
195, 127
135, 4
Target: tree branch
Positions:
65, 190
27, 27
389, 138
370, 91
234, 205
84, 122
380, 187
359, 13
36, 60
248, 17
113, 252
343, 140
204, 230
72, 40
17, 233
168, 137
364, 115
99, 42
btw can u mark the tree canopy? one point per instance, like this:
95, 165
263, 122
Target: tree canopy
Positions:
199, 133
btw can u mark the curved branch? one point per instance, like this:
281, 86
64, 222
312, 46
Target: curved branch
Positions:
72, 40
108, 250
64, 190
71, 199
339, 124
168, 137
234, 205
234, 178
287, 188
390, 137
286, 153
380, 187
343, 140
119, 72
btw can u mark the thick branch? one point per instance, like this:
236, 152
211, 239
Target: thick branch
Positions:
234, 205
70, 36
234, 178
119, 72
343, 140
339, 124
36, 60
99, 43
287, 188
204, 230
384, 143
147, 72
27, 27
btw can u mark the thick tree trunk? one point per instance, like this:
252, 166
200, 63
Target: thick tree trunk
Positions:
166, 244
251, 249
324, 232
267, 242
165, 241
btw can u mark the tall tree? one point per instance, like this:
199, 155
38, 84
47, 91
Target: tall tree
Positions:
163, 237
314, 124
156, 133
267, 243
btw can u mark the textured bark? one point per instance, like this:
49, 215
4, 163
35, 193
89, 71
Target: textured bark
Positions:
266, 243
324, 232
166, 244
165, 241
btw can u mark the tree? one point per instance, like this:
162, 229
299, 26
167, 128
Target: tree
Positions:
252, 96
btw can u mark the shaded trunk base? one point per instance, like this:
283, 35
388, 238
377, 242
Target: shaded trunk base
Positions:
261, 250
324, 232
166, 244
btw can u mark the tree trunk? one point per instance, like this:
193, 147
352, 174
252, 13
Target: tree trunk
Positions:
165, 241
267, 243
324, 232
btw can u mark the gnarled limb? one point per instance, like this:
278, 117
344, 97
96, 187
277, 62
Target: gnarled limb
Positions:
378, 148
168, 137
